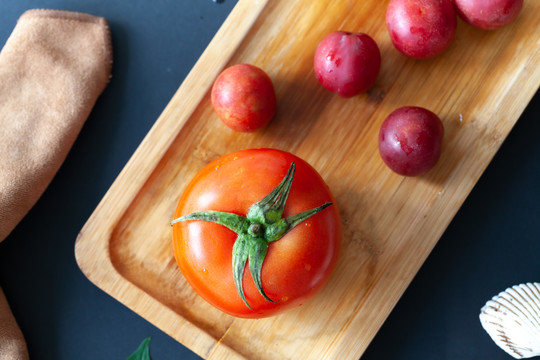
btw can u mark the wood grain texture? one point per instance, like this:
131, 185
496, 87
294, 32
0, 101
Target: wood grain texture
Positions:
478, 87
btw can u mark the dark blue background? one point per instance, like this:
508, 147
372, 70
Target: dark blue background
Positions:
493, 242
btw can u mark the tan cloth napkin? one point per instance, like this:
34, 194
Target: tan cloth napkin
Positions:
52, 69
12, 345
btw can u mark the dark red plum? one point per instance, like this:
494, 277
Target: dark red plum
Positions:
410, 140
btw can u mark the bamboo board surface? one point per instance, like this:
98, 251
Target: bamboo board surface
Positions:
479, 88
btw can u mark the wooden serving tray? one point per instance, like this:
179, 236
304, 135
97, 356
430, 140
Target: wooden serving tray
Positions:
479, 88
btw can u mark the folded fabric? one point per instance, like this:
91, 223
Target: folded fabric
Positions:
53, 67
12, 344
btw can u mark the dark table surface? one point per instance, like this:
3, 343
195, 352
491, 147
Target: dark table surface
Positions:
492, 243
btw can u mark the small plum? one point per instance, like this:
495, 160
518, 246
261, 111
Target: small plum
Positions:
488, 14
347, 63
410, 140
243, 97
421, 29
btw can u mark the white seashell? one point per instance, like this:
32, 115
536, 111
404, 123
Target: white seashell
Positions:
512, 319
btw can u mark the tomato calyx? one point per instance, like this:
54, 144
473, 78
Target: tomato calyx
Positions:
262, 224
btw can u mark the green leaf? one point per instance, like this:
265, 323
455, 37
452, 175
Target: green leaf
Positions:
142, 352
277, 230
269, 209
256, 253
236, 223
239, 259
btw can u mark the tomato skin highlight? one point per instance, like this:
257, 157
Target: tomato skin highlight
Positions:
296, 266
243, 97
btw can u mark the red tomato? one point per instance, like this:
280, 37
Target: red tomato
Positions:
243, 98
295, 267
347, 63
410, 140
488, 14
421, 29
